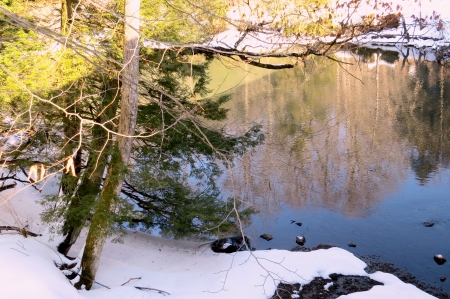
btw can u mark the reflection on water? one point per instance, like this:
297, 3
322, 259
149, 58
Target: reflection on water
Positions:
345, 138
342, 136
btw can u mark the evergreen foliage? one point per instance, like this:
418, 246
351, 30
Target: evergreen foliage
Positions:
173, 184
182, 21
174, 181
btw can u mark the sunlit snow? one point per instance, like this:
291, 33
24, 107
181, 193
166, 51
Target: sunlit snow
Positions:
181, 268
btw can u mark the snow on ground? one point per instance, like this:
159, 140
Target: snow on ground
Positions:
424, 38
428, 35
433, 33
180, 268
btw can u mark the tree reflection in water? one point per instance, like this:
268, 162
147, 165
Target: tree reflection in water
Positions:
358, 153
341, 136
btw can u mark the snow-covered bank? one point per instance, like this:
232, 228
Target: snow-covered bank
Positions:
423, 27
180, 268
423, 32
180, 271
430, 41
427, 40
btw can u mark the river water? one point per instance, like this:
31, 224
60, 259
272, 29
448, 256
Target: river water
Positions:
358, 152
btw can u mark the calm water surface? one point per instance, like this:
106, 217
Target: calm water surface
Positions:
357, 152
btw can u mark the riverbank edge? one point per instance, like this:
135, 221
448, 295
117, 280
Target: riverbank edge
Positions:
373, 265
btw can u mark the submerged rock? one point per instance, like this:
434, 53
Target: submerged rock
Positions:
440, 259
298, 223
300, 240
428, 223
351, 245
266, 237
230, 244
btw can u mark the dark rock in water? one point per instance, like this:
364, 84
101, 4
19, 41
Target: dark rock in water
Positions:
351, 245
292, 221
440, 259
442, 278
300, 240
298, 223
428, 224
267, 237
230, 244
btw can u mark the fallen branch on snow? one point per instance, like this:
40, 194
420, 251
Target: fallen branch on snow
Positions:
152, 289
23, 231
130, 280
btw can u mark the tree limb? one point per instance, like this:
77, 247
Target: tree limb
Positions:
130, 280
23, 231
268, 66
6, 187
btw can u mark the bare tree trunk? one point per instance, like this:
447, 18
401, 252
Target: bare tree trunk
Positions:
66, 15
101, 220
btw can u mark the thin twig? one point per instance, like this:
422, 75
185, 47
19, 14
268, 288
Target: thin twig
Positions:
130, 280
152, 289
19, 251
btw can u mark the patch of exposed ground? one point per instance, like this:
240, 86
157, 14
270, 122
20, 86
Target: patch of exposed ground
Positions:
320, 288
338, 285
373, 265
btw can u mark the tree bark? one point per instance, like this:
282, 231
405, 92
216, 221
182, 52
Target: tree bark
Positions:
66, 15
101, 220
91, 182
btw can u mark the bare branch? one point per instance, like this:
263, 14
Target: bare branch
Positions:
22, 231
130, 280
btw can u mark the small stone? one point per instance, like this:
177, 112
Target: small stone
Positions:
298, 223
266, 237
440, 259
351, 245
300, 240
428, 223
442, 278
